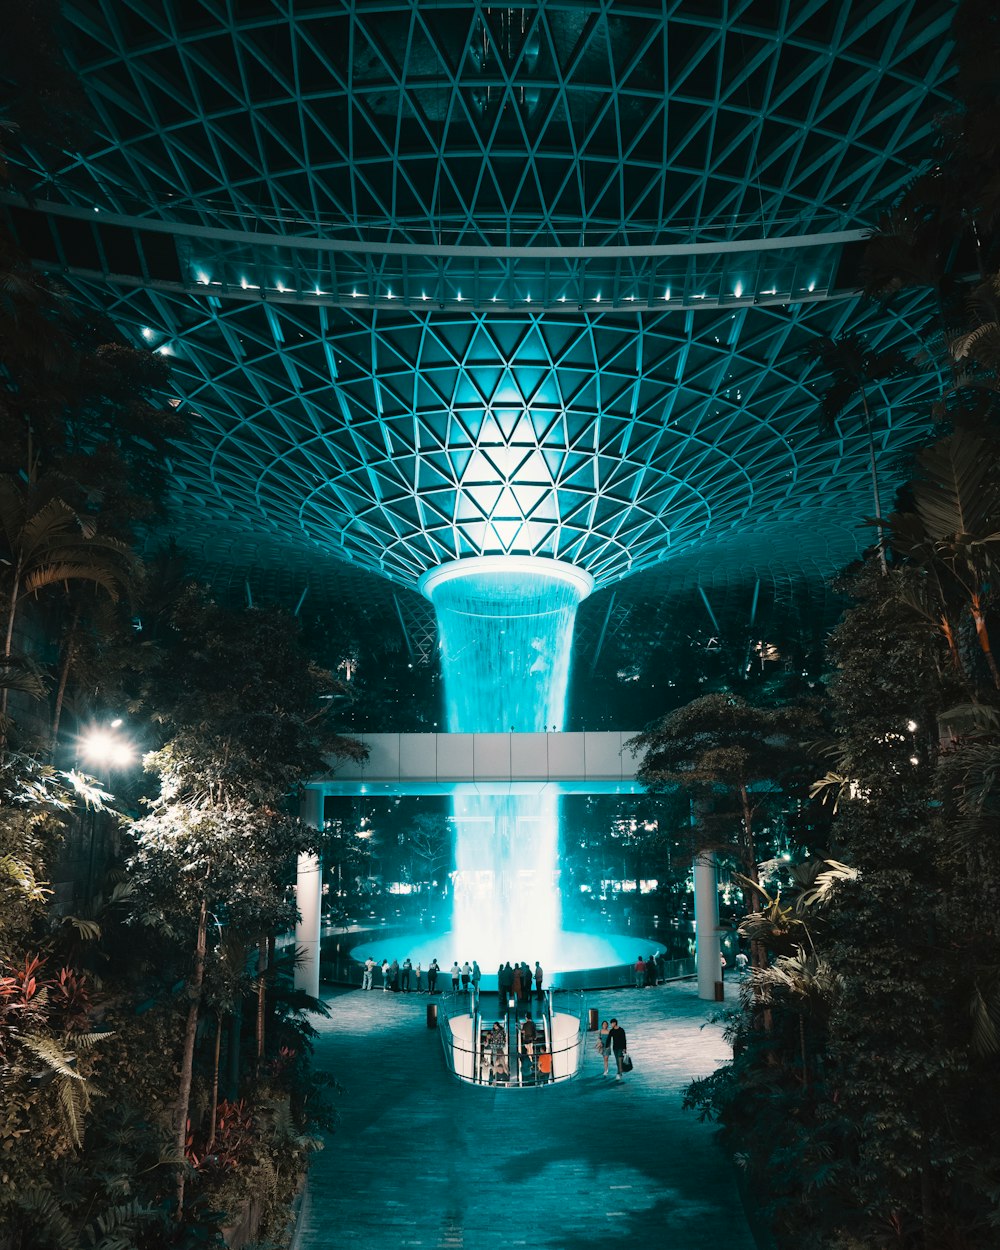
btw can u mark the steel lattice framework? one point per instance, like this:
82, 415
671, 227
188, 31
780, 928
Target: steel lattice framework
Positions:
456, 279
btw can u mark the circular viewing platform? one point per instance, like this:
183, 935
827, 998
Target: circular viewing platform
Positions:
514, 1046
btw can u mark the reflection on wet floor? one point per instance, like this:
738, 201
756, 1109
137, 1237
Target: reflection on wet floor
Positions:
423, 1160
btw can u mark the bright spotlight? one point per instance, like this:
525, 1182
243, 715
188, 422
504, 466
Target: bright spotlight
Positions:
105, 749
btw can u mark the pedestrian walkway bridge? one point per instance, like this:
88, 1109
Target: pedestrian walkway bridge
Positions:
493, 763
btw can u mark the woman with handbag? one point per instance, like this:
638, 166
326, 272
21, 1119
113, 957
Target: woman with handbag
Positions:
604, 1044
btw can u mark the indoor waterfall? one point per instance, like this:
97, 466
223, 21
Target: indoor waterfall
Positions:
506, 630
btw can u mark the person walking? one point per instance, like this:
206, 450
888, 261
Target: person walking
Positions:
604, 1044
366, 977
619, 1045
456, 972
741, 964
385, 975
539, 974
432, 976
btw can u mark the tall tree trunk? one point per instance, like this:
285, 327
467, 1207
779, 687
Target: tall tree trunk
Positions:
875, 491
11, 614
751, 898
261, 997
802, 1050
758, 951
214, 1101
67, 664
183, 1104
15, 590
233, 1048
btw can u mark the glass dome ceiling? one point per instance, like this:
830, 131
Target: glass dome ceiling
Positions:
455, 279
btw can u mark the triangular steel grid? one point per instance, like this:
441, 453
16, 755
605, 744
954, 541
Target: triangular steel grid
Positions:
400, 438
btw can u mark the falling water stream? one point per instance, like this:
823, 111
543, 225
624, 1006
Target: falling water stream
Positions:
505, 626
506, 633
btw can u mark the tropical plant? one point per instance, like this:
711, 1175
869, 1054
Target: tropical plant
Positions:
857, 372
737, 756
219, 836
46, 543
952, 533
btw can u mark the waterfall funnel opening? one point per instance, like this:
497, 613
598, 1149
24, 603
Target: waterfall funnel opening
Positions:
505, 625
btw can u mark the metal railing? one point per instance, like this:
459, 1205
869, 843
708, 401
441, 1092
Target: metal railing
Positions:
479, 1056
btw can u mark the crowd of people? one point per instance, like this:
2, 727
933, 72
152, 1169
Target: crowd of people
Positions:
517, 978
409, 977
650, 971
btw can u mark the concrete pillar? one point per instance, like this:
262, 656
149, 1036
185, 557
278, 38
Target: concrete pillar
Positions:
706, 924
309, 901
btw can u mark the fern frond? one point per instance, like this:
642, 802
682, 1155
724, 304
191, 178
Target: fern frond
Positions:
43, 1213
55, 1058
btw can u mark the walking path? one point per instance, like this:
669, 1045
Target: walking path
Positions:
421, 1159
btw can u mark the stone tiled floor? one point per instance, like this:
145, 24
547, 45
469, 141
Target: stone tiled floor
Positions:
422, 1160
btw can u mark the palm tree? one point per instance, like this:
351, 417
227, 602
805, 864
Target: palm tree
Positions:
721, 747
952, 535
45, 542
855, 369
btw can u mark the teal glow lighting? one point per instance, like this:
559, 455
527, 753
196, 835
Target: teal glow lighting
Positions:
506, 630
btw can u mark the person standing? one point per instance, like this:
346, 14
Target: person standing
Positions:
604, 1044
407, 967
640, 973
515, 985
385, 975
394, 976
619, 1045
477, 976
432, 976
539, 974
741, 963
416, 976
366, 978
529, 1036
456, 972
466, 973
525, 981
722, 966
651, 971
497, 1046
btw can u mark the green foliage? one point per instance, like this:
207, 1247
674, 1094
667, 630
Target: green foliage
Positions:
859, 1109
738, 760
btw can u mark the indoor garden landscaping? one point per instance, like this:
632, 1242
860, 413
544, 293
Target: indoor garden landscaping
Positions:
833, 738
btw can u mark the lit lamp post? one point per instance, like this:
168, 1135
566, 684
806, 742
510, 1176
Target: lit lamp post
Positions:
104, 749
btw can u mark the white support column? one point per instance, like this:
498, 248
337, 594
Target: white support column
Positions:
706, 924
309, 900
